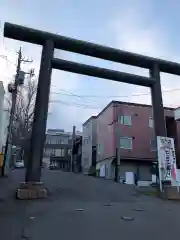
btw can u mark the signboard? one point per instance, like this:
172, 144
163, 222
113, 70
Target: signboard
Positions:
1, 159
167, 160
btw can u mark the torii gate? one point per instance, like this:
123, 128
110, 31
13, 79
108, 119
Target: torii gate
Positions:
51, 41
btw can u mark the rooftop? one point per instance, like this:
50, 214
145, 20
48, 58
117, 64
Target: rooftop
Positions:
113, 102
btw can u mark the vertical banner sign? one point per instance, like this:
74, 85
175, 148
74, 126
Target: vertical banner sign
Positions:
167, 161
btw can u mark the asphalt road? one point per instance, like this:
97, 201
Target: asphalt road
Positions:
82, 207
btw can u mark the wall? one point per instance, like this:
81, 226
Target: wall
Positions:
105, 134
108, 169
88, 141
140, 131
177, 144
5, 124
94, 132
2, 92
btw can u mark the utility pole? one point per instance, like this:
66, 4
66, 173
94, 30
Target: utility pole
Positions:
72, 149
13, 90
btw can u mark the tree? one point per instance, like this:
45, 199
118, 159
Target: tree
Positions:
24, 113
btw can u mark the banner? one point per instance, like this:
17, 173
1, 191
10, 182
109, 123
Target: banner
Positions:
167, 160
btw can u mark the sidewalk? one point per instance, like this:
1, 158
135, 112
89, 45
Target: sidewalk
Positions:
12, 212
5, 183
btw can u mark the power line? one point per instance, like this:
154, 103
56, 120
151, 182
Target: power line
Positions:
74, 104
6, 59
107, 96
70, 93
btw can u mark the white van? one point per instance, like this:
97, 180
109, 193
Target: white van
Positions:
19, 164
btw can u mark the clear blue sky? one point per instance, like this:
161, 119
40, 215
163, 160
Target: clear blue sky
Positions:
147, 27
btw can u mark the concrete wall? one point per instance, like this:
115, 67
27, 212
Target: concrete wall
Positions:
108, 169
143, 170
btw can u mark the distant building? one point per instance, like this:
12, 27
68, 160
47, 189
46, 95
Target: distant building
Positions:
89, 144
57, 148
135, 134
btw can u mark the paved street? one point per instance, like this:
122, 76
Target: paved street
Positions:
82, 207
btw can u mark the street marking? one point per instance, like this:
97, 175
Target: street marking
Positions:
79, 209
138, 209
126, 218
108, 205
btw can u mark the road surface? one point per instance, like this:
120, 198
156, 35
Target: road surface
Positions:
82, 207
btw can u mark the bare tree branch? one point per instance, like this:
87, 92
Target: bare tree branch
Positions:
24, 112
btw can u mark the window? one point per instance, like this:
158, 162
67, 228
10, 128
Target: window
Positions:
151, 122
59, 152
69, 151
153, 145
126, 142
125, 120
48, 152
48, 140
53, 152
85, 141
99, 148
59, 141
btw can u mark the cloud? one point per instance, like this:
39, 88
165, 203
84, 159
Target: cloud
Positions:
131, 27
135, 32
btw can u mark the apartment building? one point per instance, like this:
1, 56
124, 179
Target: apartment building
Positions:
131, 126
57, 148
89, 144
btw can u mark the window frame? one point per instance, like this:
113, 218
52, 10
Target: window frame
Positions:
99, 148
151, 120
61, 152
121, 120
127, 138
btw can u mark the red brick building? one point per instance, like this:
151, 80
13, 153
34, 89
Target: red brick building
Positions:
133, 124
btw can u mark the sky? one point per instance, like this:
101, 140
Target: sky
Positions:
147, 27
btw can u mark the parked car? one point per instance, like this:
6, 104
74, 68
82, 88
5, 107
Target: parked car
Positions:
19, 164
53, 167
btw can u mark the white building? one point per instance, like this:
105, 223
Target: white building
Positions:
2, 93
89, 144
5, 124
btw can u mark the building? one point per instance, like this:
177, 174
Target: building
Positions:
2, 113
57, 148
77, 151
131, 126
5, 124
89, 144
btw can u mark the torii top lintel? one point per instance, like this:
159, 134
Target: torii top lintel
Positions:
34, 36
